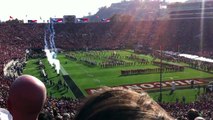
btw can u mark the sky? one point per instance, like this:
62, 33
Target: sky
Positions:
34, 9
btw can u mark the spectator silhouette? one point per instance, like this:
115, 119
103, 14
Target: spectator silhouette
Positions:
119, 104
192, 114
27, 96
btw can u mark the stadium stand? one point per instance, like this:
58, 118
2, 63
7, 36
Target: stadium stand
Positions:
190, 10
16, 38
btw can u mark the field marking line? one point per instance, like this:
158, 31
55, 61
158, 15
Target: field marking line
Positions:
63, 71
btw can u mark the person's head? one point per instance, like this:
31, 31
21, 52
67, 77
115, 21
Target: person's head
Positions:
27, 96
119, 104
192, 114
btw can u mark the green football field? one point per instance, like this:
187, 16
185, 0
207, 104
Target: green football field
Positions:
87, 76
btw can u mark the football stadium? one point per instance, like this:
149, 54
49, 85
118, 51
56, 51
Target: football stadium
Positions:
166, 52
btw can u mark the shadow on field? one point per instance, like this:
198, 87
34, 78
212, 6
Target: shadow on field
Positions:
73, 87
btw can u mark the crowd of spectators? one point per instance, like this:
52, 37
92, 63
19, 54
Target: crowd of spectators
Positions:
4, 88
16, 38
61, 108
203, 105
171, 35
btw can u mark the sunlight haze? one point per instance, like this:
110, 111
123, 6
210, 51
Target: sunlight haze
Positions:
28, 9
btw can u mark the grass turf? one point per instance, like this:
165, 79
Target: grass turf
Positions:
91, 77
189, 94
86, 76
32, 69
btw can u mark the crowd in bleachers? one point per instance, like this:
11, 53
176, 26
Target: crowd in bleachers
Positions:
204, 105
4, 88
171, 35
16, 38
61, 108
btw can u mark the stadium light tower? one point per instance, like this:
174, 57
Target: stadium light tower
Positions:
160, 97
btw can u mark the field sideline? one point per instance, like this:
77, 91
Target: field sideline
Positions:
87, 76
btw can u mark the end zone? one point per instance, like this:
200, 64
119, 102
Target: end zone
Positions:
154, 85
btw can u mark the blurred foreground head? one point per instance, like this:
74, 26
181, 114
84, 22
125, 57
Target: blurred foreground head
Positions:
27, 96
192, 114
120, 104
